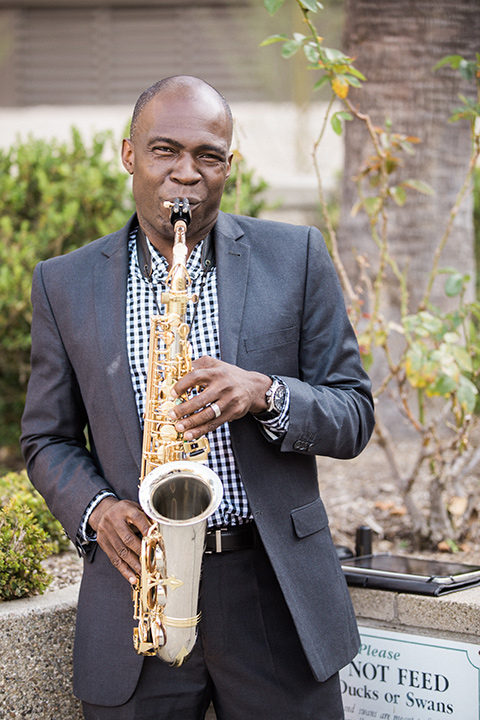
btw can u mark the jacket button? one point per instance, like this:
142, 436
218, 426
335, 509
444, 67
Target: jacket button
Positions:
299, 445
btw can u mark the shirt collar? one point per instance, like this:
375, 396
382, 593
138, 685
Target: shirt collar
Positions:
160, 265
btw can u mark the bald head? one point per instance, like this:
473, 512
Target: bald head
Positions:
185, 86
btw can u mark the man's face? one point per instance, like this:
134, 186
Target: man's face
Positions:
180, 149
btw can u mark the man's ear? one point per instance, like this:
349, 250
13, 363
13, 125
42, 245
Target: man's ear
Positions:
128, 155
229, 165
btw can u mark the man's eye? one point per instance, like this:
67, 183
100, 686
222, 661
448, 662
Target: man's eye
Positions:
210, 157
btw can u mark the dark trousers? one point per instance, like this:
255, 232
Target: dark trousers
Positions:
247, 661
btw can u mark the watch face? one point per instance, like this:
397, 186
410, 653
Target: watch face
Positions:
279, 397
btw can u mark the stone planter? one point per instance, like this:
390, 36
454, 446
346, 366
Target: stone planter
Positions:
36, 642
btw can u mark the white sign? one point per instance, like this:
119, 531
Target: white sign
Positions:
397, 676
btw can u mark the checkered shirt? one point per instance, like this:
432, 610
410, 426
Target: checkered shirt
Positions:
234, 509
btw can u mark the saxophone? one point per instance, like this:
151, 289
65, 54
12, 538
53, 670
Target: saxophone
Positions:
176, 491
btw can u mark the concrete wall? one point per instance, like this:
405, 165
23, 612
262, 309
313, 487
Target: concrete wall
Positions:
36, 642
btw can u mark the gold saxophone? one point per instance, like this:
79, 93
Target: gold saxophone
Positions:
176, 492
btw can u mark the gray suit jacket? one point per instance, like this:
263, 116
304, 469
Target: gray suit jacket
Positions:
281, 311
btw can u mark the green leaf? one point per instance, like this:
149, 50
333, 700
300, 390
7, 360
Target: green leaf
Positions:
309, 5
454, 284
353, 71
367, 361
452, 60
335, 120
423, 324
431, 323
419, 185
467, 69
398, 194
407, 147
443, 386
311, 53
334, 55
336, 124
372, 205
320, 83
352, 80
273, 39
467, 395
451, 338
463, 359
290, 48
273, 5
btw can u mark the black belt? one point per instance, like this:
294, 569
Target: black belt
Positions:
234, 537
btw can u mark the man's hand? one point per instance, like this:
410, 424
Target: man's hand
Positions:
117, 523
233, 391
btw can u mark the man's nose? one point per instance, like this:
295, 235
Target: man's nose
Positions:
185, 170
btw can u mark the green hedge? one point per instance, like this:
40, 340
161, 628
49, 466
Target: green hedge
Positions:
28, 534
17, 490
23, 546
54, 197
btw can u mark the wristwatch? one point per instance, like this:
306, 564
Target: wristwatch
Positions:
275, 398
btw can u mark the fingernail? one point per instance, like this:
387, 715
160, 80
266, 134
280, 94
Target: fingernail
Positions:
173, 394
171, 414
179, 427
188, 436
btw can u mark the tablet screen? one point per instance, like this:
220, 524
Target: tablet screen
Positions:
434, 570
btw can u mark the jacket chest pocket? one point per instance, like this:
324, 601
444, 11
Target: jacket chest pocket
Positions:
273, 352
310, 518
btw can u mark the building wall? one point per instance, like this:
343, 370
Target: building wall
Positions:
62, 52
84, 63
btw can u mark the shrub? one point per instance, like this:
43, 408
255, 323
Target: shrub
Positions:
243, 191
23, 546
17, 491
54, 197
430, 360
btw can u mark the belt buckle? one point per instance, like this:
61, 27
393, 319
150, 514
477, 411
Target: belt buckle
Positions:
218, 541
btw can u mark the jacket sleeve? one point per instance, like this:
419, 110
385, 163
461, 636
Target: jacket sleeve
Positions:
54, 421
331, 406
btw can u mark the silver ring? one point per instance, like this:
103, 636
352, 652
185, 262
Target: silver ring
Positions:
216, 409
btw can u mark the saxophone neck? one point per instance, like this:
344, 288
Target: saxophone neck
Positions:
180, 218
180, 250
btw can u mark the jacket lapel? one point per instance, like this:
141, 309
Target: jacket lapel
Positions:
110, 287
232, 255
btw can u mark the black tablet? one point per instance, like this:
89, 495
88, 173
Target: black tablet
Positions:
410, 574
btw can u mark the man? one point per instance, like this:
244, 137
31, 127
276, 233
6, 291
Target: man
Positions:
281, 381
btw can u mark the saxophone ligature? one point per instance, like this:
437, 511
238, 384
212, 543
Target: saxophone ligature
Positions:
176, 491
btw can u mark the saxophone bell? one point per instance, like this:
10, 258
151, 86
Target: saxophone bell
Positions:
179, 497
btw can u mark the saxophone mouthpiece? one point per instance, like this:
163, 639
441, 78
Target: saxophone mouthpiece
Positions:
180, 210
